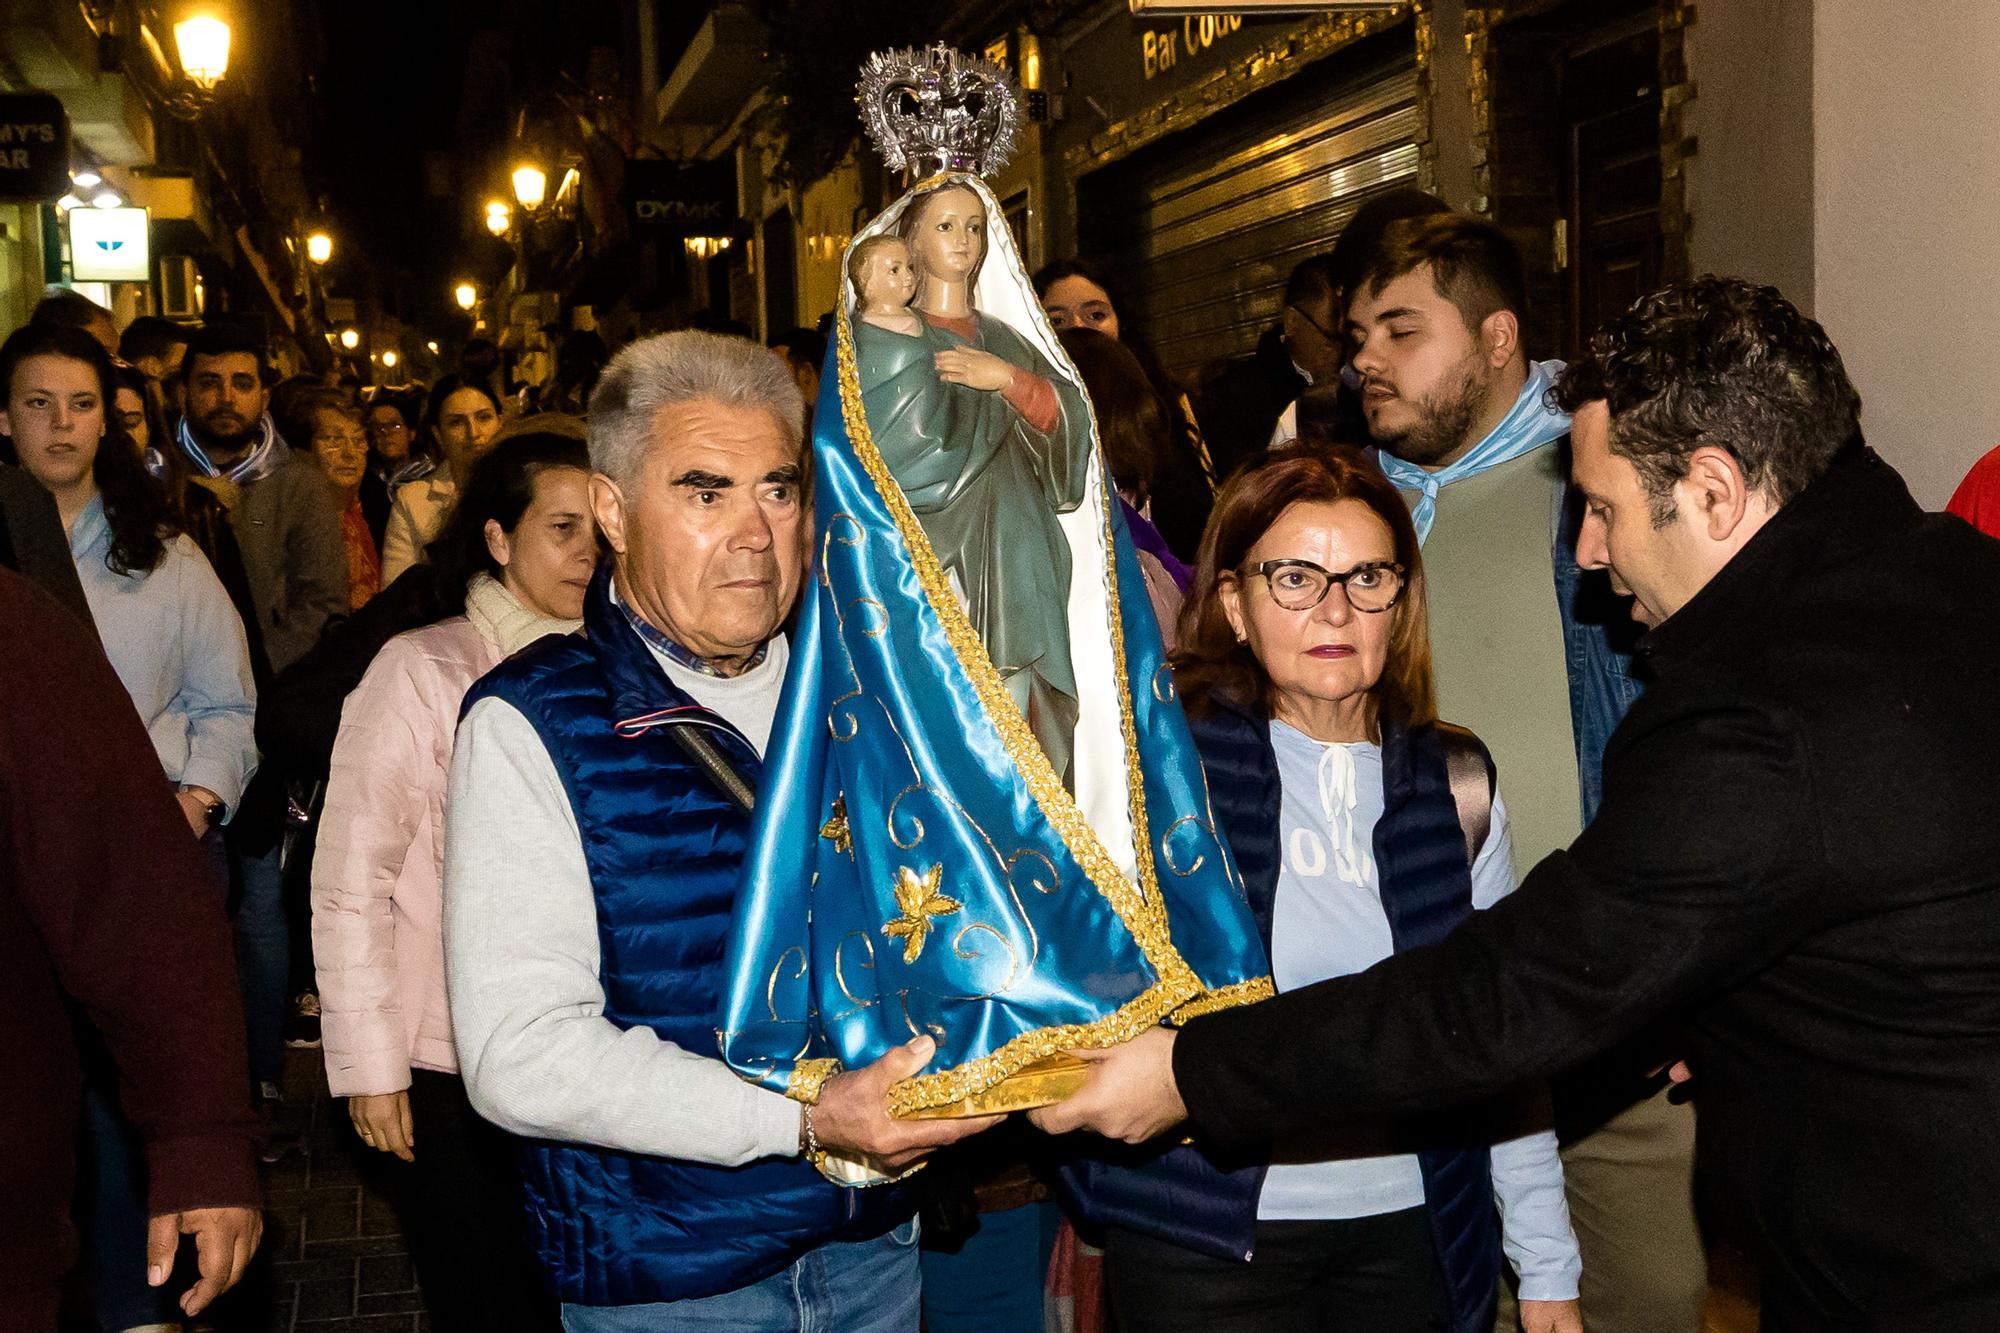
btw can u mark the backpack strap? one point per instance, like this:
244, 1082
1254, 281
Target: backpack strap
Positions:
1470, 769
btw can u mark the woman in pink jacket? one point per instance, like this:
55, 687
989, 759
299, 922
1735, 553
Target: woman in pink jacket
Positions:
522, 546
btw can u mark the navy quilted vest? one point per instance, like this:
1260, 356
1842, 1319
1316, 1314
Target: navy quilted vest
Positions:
1209, 1204
664, 848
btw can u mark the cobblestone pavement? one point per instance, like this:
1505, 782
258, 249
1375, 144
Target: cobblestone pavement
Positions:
333, 1258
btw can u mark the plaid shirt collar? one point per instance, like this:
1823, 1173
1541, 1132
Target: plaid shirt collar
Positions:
674, 652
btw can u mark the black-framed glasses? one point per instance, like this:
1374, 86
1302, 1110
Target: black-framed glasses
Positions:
1300, 585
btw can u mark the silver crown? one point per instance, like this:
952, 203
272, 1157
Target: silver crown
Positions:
931, 109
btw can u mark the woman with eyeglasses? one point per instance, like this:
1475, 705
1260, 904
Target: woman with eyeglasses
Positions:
332, 425
1362, 825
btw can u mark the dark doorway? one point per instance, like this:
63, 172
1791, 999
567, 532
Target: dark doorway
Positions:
1611, 124
1575, 162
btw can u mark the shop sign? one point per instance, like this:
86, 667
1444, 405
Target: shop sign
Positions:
1128, 63
34, 146
110, 245
677, 200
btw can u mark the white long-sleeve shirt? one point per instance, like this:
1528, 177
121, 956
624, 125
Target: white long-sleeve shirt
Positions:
1328, 921
521, 959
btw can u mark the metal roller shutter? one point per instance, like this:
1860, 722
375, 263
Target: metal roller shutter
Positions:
1202, 229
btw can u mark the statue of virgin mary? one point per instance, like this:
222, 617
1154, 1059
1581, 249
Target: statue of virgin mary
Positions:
982, 817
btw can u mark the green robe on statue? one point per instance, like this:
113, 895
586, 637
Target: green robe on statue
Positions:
988, 487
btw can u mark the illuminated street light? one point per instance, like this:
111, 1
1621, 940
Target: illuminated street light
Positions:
531, 185
433, 348
389, 359
319, 247
498, 218
202, 43
350, 339
466, 295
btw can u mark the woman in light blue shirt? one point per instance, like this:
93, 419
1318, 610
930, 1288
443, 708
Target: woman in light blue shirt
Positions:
167, 625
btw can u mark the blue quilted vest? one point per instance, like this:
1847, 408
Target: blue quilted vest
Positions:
664, 847
1208, 1203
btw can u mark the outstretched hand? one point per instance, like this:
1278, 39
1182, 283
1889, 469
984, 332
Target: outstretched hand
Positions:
1130, 1095
851, 1118
224, 1240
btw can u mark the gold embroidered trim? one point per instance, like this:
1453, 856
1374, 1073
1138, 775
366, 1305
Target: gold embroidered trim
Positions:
1226, 997
1141, 907
956, 1084
809, 1077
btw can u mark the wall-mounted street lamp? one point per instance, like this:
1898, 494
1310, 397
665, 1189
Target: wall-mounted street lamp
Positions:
466, 295
432, 347
319, 247
499, 217
202, 42
531, 186
350, 338
389, 359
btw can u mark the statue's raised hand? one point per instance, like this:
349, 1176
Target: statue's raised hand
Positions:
973, 368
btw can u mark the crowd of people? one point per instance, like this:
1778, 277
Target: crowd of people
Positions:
1595, 743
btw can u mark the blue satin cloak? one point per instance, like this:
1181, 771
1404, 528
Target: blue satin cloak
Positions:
1032, 942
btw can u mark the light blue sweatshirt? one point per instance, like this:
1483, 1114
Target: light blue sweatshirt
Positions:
1328, 921
177, 644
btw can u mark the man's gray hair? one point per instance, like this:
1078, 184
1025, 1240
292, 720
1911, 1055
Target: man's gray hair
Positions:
675, 368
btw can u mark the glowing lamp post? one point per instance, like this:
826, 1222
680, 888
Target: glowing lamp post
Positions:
350, 339
466, 295
389, 359
531, 186
202, 43
499, 217
319, 247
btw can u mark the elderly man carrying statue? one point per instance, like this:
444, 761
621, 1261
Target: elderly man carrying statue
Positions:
592, 853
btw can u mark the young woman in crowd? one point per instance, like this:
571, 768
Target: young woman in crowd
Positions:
1077, 295
520, 548
332, 428
395, 457
462, 418
1362, 826
178, 646
1133, 428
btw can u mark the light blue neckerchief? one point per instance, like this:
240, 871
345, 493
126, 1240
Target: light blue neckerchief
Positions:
259, 463
1528, 425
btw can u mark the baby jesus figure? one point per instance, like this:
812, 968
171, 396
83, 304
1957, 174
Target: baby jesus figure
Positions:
884, 282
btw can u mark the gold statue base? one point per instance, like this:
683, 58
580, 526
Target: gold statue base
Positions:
1045, 1081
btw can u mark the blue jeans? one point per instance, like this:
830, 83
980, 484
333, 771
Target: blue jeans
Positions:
263, 958
997, 1281
864, 1286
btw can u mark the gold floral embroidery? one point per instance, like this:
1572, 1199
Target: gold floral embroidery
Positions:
835, 830
920, 898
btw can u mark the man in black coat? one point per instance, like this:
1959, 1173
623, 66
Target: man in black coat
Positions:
1798, 853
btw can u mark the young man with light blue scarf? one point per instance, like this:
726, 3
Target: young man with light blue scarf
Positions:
1527, 655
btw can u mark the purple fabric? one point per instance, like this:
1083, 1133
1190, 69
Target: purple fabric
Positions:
1147, 538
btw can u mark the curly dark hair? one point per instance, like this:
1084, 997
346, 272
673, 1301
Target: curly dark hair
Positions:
134, 506
1723, 362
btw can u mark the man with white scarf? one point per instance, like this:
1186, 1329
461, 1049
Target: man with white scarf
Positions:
287, 524
1524, 656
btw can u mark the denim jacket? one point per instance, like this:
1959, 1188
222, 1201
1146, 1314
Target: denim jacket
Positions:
1600, 644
